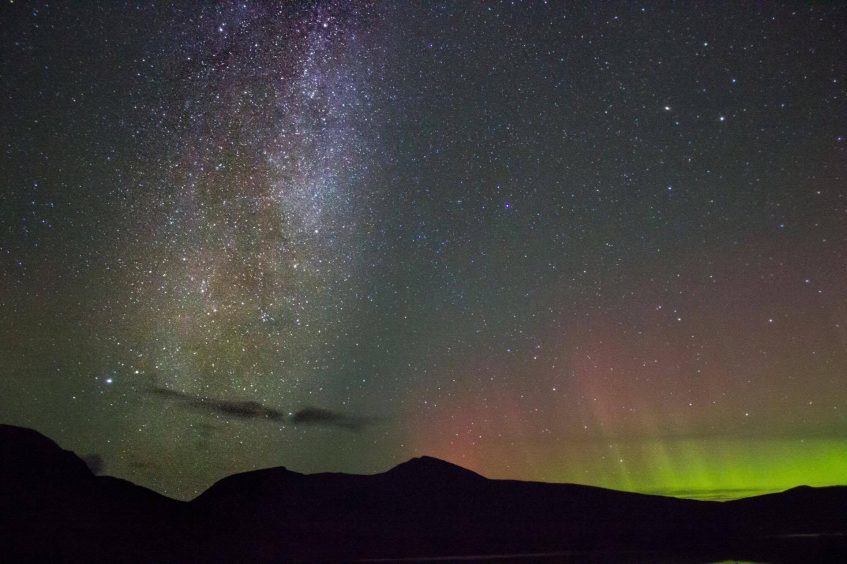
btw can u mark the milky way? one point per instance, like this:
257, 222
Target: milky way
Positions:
602, 245
256, 248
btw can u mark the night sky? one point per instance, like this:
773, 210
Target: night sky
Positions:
600, 244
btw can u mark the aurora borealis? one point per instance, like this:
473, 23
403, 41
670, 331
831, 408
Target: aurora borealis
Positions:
599, 244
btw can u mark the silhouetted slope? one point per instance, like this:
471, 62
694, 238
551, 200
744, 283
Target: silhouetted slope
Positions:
801, 510
53, 508
427, 506
29, 456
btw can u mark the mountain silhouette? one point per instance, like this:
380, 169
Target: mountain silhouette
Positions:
53, 508
425, 469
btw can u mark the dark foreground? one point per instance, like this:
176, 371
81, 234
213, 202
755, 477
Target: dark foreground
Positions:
52, 508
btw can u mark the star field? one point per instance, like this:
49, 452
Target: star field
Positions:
601, 244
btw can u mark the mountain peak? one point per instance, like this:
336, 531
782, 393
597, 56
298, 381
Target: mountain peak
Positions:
29, 455
423, 467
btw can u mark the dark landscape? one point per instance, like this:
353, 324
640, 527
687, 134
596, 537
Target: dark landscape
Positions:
53, 508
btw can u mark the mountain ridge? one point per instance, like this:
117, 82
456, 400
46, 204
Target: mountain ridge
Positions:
421, 507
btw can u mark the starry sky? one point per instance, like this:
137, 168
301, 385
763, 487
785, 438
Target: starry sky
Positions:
603, 244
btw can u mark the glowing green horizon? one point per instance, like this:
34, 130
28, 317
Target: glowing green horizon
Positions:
733, 468
701, 468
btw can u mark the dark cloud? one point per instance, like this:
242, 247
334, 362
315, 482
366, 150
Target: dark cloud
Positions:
253, 410
232, 408
238, 409
168, 394
326, 418
94, 462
